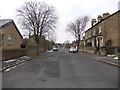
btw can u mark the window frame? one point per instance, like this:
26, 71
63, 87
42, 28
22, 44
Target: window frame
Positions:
9, 40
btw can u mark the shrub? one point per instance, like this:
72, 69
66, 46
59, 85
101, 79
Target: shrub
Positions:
89, 44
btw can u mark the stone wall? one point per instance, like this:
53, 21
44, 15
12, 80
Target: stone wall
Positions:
102, 51
88, 49
33, 49
111, 30
14, 53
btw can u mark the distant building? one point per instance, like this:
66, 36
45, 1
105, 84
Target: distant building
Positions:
43, 44
104, 32
10, 35
31, 40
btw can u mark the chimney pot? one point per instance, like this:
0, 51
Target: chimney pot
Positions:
99, 18
93, 22
105, 15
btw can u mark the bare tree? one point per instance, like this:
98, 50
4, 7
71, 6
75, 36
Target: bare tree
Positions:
77, 28
39, 18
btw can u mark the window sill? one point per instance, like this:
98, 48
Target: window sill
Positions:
9, 43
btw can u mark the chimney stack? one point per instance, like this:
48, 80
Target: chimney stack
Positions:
105, 15
93, 22
99, 18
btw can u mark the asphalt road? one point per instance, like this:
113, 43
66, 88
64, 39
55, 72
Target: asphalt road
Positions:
61, 69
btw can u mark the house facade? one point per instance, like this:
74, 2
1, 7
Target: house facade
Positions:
10, 35
44, 44
104, 32
32, 42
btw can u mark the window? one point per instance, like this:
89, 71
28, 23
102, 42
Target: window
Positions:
9, 40
101, 41
100, 29
89, 34
94, 32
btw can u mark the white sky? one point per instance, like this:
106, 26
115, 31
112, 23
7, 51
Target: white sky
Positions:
67, 11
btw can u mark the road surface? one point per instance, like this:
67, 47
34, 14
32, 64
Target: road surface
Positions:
61, 69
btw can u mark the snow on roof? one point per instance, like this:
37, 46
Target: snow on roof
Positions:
4, 21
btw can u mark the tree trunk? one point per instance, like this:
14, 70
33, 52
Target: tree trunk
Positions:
78, 42
37, 48
77, 46
37, 43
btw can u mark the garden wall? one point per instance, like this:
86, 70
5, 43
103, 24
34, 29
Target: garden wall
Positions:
14, 53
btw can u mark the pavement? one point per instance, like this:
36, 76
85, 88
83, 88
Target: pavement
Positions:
106, 59
61, 69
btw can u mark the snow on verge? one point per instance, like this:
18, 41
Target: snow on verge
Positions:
111, 55
10, 68
8, 61
25, 57
116, 58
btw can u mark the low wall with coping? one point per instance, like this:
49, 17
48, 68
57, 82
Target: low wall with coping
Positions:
101, 51
88, 49
33, 49
14, 53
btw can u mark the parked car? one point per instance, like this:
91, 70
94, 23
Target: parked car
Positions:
73, 50
55, 48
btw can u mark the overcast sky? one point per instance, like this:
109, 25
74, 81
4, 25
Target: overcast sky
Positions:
67, 11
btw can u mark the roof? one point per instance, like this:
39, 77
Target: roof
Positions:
42, 37
4, 22
103, 20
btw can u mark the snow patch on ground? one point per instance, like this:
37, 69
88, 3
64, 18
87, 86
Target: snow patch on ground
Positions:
25, 57
13, 60
111, 55
7, 70
8, 61
116, 58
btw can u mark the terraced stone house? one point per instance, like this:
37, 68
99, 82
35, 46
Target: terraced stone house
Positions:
104, 32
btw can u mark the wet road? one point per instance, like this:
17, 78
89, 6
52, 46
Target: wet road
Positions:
61, 69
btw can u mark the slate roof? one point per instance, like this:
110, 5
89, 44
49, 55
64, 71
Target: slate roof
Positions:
103, 20
3, 22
